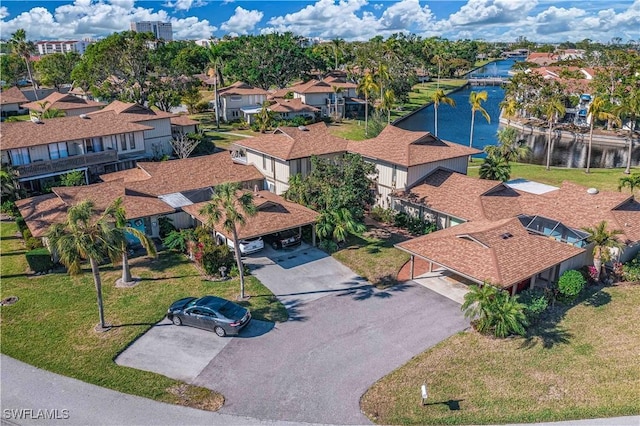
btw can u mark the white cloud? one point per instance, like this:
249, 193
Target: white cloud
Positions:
91, 18
3, 12
185, 4
243, 21
406, 15
492, 12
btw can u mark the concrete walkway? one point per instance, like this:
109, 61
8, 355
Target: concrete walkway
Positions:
440, 282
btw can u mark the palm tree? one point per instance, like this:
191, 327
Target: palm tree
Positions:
494, 311
383, 76
603, 240
438, 97
495, 168
552, 108
337, 224
632, 181
476, 99
338, 45
388, 99
82, 236
117, 212
509, 148
24, 48
336, 90
629, 108
231, 207
264, 118
509, 107
367, 86
597, 112
9, 186
46, 112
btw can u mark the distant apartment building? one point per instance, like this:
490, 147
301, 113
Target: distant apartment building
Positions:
48, 47
161, 30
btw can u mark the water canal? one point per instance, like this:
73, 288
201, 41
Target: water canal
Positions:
454, 124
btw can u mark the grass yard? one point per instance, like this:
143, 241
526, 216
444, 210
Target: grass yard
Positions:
373, 256
603, 179
581, 364
51, 326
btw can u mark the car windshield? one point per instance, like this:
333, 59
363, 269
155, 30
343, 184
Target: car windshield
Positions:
231, 310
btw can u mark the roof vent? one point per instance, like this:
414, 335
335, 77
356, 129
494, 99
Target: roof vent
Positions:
35, 119
506, 235
84, 116
592, 191
303, 128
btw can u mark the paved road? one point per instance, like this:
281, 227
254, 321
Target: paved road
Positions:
343, 336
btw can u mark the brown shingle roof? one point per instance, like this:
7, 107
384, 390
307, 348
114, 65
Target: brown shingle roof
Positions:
167, 177
183, 120
485, 251
291, 105
25, 133
12, 95
132, 112
240, 88
41, 212
288, 143
62, 102
407, 148
274, 214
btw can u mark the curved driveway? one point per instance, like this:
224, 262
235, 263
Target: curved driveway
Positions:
343, 336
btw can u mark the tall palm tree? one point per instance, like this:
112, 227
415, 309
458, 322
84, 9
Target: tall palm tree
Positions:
118, 213
597, 111
509, 147
603, 241
440, 97
367, 86
232, 207
24, 48
632, 181
387, 102
383, 76
629, 108
338, 45
509, 107
476, 99
84, 236
336, 90
552, 108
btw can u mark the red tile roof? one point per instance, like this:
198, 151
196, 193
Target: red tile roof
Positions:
407, 148
274, 214
167, 177
288, 143
26, 133
12, 95
62, 102
502, 252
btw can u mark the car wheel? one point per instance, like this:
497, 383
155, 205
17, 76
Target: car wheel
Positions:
275, 245
176, 320
220, 331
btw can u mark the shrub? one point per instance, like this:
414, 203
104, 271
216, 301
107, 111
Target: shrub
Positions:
39, 260
383, 215
216, 256
571, 283
535, 303
9, 207
22, 225
166, 226
201, 106
177, 240
26, 234
32, 243
631, 270
401, 220
328, 245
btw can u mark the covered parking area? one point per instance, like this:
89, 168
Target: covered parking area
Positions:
502, 253
274, 214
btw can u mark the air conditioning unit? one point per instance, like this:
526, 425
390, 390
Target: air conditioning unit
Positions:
35, 119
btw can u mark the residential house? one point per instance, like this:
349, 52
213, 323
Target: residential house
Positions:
403, 157
323, 94
183, 125
287, 152
71, 105
42, 149
287, 109
149, 192
274, 214
157, 139
542, 58
11, 101
240, 101
474, 212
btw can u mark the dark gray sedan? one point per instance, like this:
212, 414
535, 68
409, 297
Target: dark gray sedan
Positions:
210, 313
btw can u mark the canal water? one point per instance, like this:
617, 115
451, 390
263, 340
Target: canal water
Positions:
454, 124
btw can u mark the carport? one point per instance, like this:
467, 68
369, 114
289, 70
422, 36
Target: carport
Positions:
275, 214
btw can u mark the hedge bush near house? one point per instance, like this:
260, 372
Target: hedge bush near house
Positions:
535, 303
571, 283
631, 270
39, 260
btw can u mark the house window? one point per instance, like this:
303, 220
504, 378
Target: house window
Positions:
94, 144
132, 141
20, 156
123, 142
235, 98
297, 166
264, 162
58, 150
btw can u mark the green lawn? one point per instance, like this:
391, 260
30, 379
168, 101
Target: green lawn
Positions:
603, 179
373, 256
51, 326
580, 363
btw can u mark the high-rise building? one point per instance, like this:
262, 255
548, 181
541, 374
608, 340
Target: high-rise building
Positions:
47, 47
161, 30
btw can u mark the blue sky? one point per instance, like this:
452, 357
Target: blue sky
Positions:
491, 20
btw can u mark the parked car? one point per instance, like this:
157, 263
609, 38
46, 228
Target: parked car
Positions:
247, 246
211, 313
278, 240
